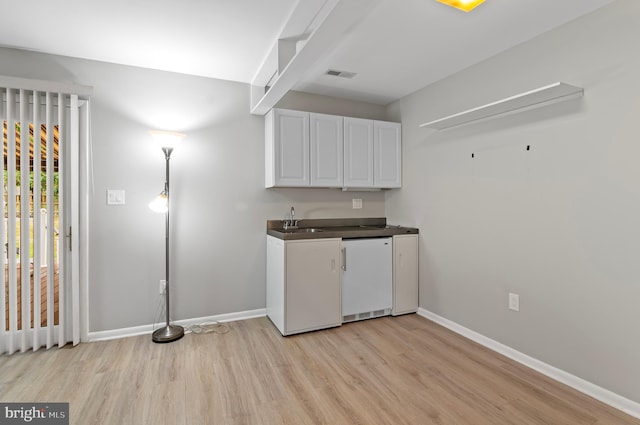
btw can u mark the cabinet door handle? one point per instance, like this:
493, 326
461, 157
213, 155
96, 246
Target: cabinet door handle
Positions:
344, 259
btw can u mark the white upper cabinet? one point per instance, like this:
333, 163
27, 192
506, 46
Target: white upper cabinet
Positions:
318, 150
326, 156
387, 153
372, 153
358, 152
287, 148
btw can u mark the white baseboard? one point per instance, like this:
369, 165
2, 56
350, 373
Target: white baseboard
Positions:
608, 397
147, 329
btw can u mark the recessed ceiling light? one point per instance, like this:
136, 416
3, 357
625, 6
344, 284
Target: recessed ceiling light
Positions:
466, 5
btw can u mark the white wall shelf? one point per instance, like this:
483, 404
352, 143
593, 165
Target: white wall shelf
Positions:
542, 96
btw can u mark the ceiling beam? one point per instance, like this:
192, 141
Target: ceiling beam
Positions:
329, 25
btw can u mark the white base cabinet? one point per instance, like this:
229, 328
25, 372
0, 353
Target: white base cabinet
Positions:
405, 274
303, 284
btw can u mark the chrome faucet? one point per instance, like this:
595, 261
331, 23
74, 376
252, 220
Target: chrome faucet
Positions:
290, 221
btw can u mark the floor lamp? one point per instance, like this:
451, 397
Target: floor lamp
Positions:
167, 141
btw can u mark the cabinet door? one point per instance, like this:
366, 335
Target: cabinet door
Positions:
275, 282
405, 274
312, 285
326, 142
358, 152
287, 137
387, 152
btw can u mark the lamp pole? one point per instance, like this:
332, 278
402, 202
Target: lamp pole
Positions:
169, 332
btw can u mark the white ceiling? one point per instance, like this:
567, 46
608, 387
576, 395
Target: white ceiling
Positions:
399, 46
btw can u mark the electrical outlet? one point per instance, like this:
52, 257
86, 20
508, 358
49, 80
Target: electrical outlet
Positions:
163, 284
357, 203
514, 302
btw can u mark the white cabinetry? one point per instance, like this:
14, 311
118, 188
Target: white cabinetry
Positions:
318, 150
405, 274
358, 152
372, 153
287, 148
387, 154
326, 153
303, 284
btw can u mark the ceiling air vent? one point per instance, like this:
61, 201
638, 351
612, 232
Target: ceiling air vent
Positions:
341, 74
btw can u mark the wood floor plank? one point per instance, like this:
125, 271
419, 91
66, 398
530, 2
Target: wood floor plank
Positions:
391, 370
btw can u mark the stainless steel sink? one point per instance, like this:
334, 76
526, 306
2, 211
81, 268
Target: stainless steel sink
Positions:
304, 230
299, 230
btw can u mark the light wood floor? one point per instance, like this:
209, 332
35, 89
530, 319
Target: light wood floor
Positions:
402, 370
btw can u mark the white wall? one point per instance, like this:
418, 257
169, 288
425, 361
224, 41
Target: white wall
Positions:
559, 224
220, 206
330, 105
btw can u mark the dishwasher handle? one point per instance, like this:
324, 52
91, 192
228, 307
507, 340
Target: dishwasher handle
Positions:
344, 259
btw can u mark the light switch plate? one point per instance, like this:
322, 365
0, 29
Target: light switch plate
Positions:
115, 197
514, 302
357, 203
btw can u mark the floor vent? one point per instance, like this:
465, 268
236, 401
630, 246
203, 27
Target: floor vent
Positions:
366, 315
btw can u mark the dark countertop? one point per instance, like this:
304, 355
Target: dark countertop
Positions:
344, 228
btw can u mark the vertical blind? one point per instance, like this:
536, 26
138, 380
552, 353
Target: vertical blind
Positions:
37, 307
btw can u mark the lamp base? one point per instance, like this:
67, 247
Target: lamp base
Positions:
168, 333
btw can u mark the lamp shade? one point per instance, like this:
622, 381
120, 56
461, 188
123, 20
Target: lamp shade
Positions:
160, 204
166, 139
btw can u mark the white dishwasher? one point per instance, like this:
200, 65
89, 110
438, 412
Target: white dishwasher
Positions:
366, 278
